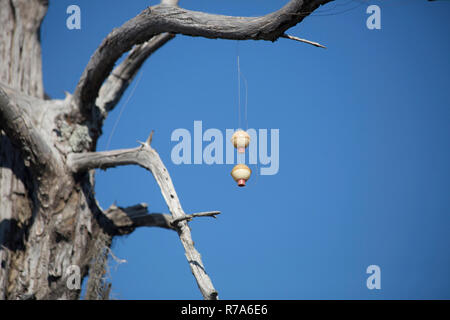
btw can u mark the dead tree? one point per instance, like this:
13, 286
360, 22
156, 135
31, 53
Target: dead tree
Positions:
49, 218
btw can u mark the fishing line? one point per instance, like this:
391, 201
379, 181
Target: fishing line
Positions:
241, 75
122, 109
246, 101
239, 85
326, 11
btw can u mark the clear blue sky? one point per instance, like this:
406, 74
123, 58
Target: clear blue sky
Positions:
364, 151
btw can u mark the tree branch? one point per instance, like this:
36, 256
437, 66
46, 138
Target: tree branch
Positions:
316, 44
16, 121
147, 157
189, 217
130, 218
126, 220
172, 19
79, 162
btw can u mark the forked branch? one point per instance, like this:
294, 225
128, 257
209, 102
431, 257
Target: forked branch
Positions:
147, 157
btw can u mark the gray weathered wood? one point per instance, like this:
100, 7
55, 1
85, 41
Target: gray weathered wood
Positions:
147, 157
126, 220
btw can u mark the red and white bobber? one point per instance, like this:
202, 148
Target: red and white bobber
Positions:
241, 173
240, 140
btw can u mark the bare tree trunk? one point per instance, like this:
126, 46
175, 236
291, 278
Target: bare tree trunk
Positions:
20, 67
46, 225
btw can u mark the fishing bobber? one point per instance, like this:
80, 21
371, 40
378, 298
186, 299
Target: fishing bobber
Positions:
240, 140
241, 173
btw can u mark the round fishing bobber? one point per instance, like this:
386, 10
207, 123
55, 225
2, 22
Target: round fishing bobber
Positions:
241, 173
240, 140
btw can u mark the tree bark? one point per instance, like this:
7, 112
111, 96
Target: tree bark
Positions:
20, 67
46, 222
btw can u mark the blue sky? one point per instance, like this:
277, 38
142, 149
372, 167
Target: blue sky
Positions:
364, 151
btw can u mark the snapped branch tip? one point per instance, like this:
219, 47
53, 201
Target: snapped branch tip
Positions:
316, 44
150, 137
